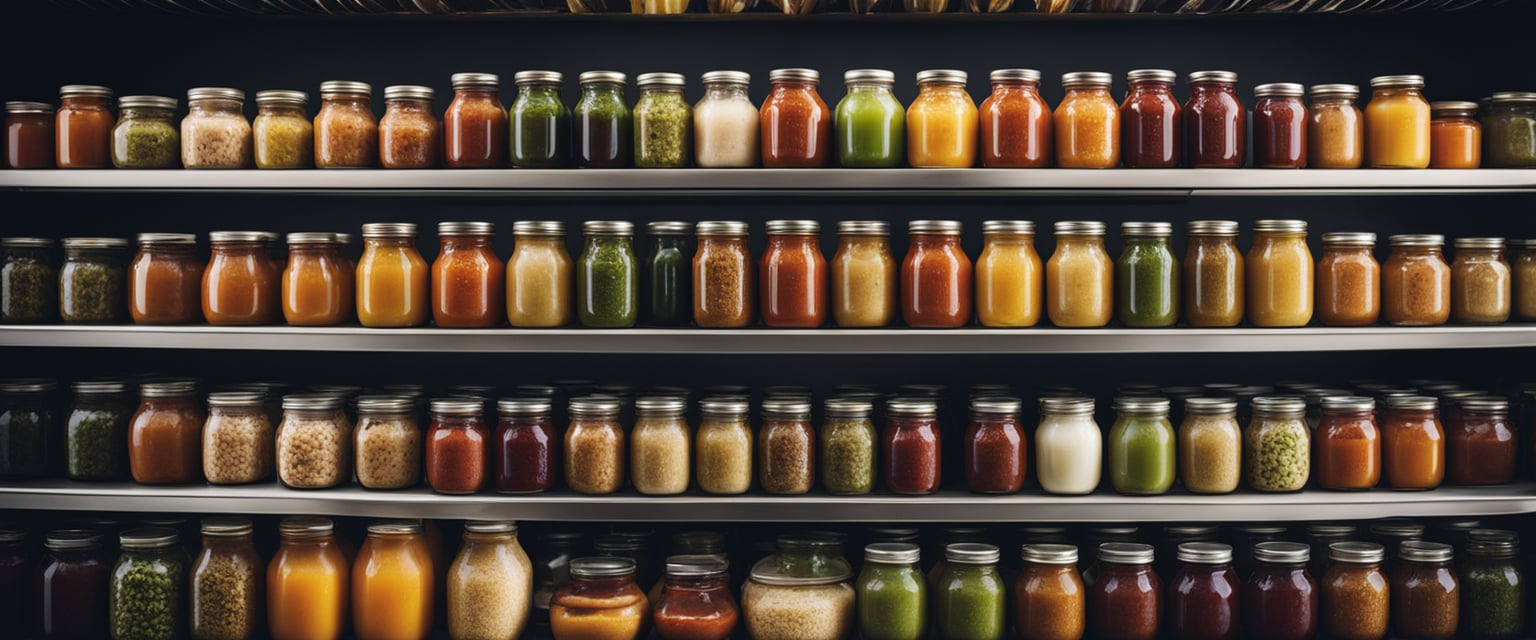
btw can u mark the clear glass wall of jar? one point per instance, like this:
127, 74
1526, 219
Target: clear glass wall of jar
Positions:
1523, 264
1068, 446
237, 439
1079, 277
410, 136
995, 446
936, 276
490, 583
663, 122
1125, 595
467, 285
659, 446
1492, 585
240, 285
308, 581
147, 597
1280, 598
1141, 447
1481, 443
1280, 275
1336, 131
29, 281
794, 275
594, 446
1152, 133
668, 294
1280, 126
1016, 123
215, 133
314, 442
1509, 130
724, 292
608, 276
457, 445
1277, 445
786, 447
1210, 446
392, 582
145, 136
1009, 275
1416, 282
1204, 595
1348, 280
391, 277
29, 135
941, 122
794, 122
96, 431
1354, 592
165, 434
1412, 443
1397, 124
1481, 282
539, 276
871, 123
864, 275
1087, 123
28, 427
226, 598
83, 127
602, 122
1215, 121
1456, 137
318, 284
1213, 275
166, 280
388, 441
725, 122
346, 132
1147, 276
601, 601
779, 605
93, 281
475, 127
1348, 450
723, 446
1426, 594
283, 134
540, 122
848, 447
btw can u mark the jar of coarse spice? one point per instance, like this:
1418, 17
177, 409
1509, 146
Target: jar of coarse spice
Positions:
237, 439
226, 595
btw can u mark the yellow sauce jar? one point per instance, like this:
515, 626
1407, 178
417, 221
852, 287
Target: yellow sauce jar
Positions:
1009, 276
942, 122
1397, 124
1080, 277
391, 277
1279, 270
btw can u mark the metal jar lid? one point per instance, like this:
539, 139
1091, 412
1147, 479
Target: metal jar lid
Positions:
164, 239
1347, 403
466, 228
595, 406
935, 227
27, 106
396, 528
1279, 405
344, 87
941, 76
1126, 553
892, 553
1142, 405
721, 228
786, 408
794, 227
660, 405
385, 405
726, 77
1401, 81
1279, 552
27, 385
313, 237
601, 77
282, 96
1087, 80
1146, 229
1485, 404
227, 527
389, 230
1332, 530
1068, 406
26, 243
408, 92
215, 93
1210, 406
1279, 90
98, 386
1453, 108
669, 228
1204, 553
991, 227
95, 243
697, 565
971, 553
863, 228
457, 406
305, 527
664, 80
608, 228
728, 407
996, 405
147, 102
1480, 243
1513, 96
148, 538
911, 407
85, 91
849, 408
1422, 551
604, 567
490, 526
1193, 533
1050, 553
1227, 77
221, 237
1357, 552
872, 76
538, 228
1152, 75
1349, 239
1079, 228
1412, 403
1417, 240
794, 75
523, 78
71, 539
237, 399
1336, 90
168, 389
523, 406
467, 80
1014, 75
1280, 226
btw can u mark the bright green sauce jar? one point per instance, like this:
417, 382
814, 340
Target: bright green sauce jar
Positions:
870, 122
1141, 447
970, 602
892, 595
607, 282
1147, 276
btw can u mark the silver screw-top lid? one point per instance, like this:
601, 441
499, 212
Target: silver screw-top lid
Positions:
27, 106
1513, 96
608, 228
601, 77
665, 80
726, 77
1142, 406
863, 228
660, 406
935, 227
786, 408
525, 78
1335, 90
1279, 90
524, 406
1480, 243
313, 237
1279, 405
1087, 80
1146, 229
305, 527
1204, 553
396, 528
1227, 77
1050, 553
282, 97
1422, 551
1484, 404
1282, 552
166, 239
696, 565
1213, 228
1417, 240
793, 227
236, 399
1400, 82
911, 407
220, 237
1079, 228
992, 227
408, 92
1357, 552
1453, 108
227, 527
597, 406
725, 407
1210, 406
538, 228
71, 539
1412, 403
996, 405
147, 102
84, 91
1014, 75
168, 389
385, 405
463, 80
1126, 553
604, 567
490, 526
457, 406
892, 553
344, 87
95, 243
389, 230
794, 75
869, 76
1152, 75
941, 76
26, 243
849, 408
1280, 226
313, 402
971, 553
1349, 239
721, 228
1067, 406
669, 228
1347, 403
148, 538
99, 386
215, 93
466, 228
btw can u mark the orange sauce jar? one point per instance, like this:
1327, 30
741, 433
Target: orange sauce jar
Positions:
165, 280
83, 127
165, 443
317, 285
941, 122
1413, 443
1416, 282
391, 277
1015, 122
1348, 281
240, 285
307, 582
467, 278
936, 277
1455, 137
1087, 123
1348, 444
392, 583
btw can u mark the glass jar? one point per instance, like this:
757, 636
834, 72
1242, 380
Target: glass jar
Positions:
314, 442
936, 277
1277, 445
995, 446
663, 122
28, 427
892, 593
607, 282
490, 583
1509, 139
1147, 276
795, 124
777, 605
307, 581
282, 134
723, 446
1209, 446
392, 583
1336, 131
1125, 594
146, 599
318, 284
346, 133
1015, 127
240, 285
388, 441
29, 281
723, 279
410, 136
848, 447
1280, 599
83, 127
594, 446
602, 122
1523, 265
602, 601
1481, 287
871, 123
145, 136
1416, 282
391, 277
786, 447
864, 275
237, 439
1425, 592
1279, 126
1049, 598
660, 446
941, 122
540, 121
667, 274
215, 133
165, 434
29, 135
1213, 275
1008, 275
1079, 277
165, 280
467, 285
1397, 123
1353, 593
1087, 123
794, 275
1215, 122
1348, 280
970, 600
1493, 589
1413, 443
225, 583
695, 601
1480, 443
1456, 138
1141, 447
1203, 595
93, 281
456, 446
725, 122
527, 449
1348, 451
475, 129
1068, 446
539, 276
1152, 135
1280, 275
910, 447
71, 585
96, 436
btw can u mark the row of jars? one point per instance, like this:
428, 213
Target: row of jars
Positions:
1341, 583
793, 127
1398, 439
791, 285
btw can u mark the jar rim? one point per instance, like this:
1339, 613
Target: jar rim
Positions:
27, 243
1406, 81
524, 406
389, 230
863, 228
312, 402
1282, 552
1357, 552
721, 228
95, 243
595, 406
84, 91
466, 228
892, 553
1126, 553
1480, 243
1347, 403
220, 237
1336, 90
162, 239
1067, 406
1146, 229
1079, 228
725, 76
1417, 240
1202, 406
331, 88
935, 227
490, 526
1014, 75
1350, 238
1142, 405
1162, 76
972, 553
602, 567
1050, 553
1280, 226
669, 228
662, 80
941, 76
1412, 403
1213, 227
457, 406
909, 406
1088, 79
71, 539
488, 80
1226, 77
999, 227
385, 405
794, 75
1424, 551
1279, 90
602, 77
1204, 553
149, 102
227, 527
148, 538
305, 527
697, 565
996, 405
87, 387
313, 237
725, 406
28, 106
538, 228
793, 227
236, 399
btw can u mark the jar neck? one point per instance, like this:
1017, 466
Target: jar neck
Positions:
994, 418
169, 402
869, 87
1088, 91
477, 93
409, 105
384, 415
668, 242
540, 90
69, 556
1282, 567
236, 411
782, 239
1418, 251
934, 240
1055, 569
603, 91
146, 113
285, 110
471, 537
85, 102
389, 243
944, 89
1205, 568
1150, 86
96, 399
456, 421
1147, 241
349, 100
698, 583
1420, 564
215, 105
449, 243
1008, 86
1484, 415
1213, 87
238, 248
309, 543
1279, 416
1348, 414
229, 544
729, 241
1481, 254
1080, 241
314, 249
27, 253
668, 92
1278, 236
794, 85
911, 420
1349, 249
394, 541
1397, 92
166, 249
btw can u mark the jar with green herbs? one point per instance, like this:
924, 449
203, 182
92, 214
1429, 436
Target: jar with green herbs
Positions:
26, 427
1277, 445
970, 601
96, 432
29, 281
601, 122
1493, 588
1509, 131
848, 439
146, 598
283, 135
541, 123
145, 136
1147, 276
93, 281
663, 123
226, 582
607, 282
669, 273
892, 593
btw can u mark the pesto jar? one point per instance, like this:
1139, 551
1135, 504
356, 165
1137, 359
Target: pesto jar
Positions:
145, 136
601, 122
96, 431
1147, 276
282, 135
848, 447
892, 593
93, 281
146, 598
541, 124
970, 600
29, 281
663, 123
607, 278
1509, 131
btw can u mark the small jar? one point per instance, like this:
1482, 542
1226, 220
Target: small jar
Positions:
388, 442
1412, 443
667, 278
602, 122
1425, 591
71, 584
346, 132
241, 284
391, 277
892, 593
226, 599
1416, 282
1456, 137
1348, 280
794, 122
1280, 275
1087, 123
1353, 593
391, 591
96, 431
1152, 135
526, 446
936, 277
283, 136
848, 447
165, 434
1397, 124
540, 122
695, 601
1523, 264
308, 579
29, 135
663, 122
409, 135
1481, 447
28, 427
1125, 595
724, 281
723, 446
794, 275
864, 275
941, 122
594, 446
215, 133
786, 447
1279, 126
147, 597
29, 281
475, 130
779, 605
1348, 451
660, 443
1509, 126
970, 600
166, 280
1009, 275
319, 282
1492, 585
83, 127
1068, 446
1280, 599
910, 447
1079, 277
467, 285
1336, 131
725, 122
237, 439
145, 136
492, 561
1277, 445
1213, 275
871, 123
314, 442
1215, 121
93, 280
1481, 282
1141, 447
995, 446
1147, 276
456, 446
539, 276
1050, 601
601, 601
1203, 596
607, 276
1210, 446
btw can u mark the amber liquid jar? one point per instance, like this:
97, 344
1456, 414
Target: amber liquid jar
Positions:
1416, 282
83, 128
1348, 281
165, 280
29, 135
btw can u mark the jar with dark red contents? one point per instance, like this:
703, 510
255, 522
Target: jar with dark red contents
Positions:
71, 588
1203, 595
527, 447
1481, 446
796, 124
1215, 122
696, 602
17, 568
456, 446
793, 275
1125, 597
28, 135
1425, 592
475, 134
995, 446
83, 127
1280, 596
1279, 126
909, 446
1151, 121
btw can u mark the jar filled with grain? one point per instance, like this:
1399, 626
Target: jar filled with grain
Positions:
848, 447
1348, 280
490, 583
314, 442
594, 446
215, 133
779, 605
1416, 282
237, 439
1210, 446
1213, 275
1277, 444
1425, 591
410, 137
601, 601
659, 448
147, 595
1481, 282
388, 441
786, 447
226, 580
723, 445
346, 132
284, 137
724, 282
1353, 593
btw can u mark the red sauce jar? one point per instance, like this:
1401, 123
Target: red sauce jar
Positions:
475, 133
793, 272
1203, 595
83, 127
1481, 447
994, 446
467, 289
936, 276
1215, 123
28, 135
1279, 126
1125, 599
1016, 122
527, 448
1348, 447
796, 124
456, 446
910, 447
695, 602
1150, 121
71, 586
1280, 597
